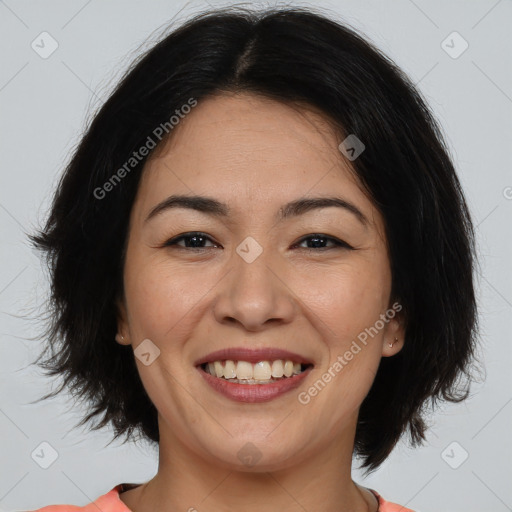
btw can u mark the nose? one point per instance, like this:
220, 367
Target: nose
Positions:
255, 294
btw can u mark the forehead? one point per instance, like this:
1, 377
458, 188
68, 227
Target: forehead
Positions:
247, 129
252, 152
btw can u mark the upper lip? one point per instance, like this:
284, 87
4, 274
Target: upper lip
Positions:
252, 355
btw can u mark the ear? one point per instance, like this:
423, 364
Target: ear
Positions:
394, 334
122, 336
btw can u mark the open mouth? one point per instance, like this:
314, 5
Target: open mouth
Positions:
262, 372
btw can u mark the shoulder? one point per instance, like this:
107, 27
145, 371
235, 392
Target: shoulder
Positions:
388, 506
109, 502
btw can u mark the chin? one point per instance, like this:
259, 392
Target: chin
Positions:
256, 453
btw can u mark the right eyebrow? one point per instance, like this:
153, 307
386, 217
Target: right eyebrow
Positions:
202, 204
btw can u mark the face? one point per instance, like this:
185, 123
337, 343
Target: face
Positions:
254, 276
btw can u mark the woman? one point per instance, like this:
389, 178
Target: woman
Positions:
262, 261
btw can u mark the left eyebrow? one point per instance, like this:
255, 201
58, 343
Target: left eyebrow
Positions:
302, 206
218, 209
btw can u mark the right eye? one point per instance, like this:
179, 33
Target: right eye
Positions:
193, 240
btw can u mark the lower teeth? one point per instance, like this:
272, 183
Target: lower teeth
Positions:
252, 381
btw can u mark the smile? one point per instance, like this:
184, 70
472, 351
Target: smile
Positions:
252, 390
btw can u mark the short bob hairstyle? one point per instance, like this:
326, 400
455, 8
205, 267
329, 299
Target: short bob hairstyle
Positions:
301, 57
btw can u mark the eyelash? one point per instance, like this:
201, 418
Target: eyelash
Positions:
339, 244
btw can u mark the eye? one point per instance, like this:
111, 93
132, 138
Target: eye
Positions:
193, 240
318, 239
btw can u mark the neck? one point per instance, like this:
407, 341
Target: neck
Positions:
318, 483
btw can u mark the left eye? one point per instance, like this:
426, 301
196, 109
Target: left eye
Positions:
319, 239
195, 240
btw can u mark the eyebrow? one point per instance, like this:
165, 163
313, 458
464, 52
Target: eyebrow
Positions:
218, 209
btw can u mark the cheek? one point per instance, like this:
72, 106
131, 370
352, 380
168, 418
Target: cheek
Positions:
162, 297
349, 301
348, 298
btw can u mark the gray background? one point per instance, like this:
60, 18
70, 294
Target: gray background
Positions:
44, 106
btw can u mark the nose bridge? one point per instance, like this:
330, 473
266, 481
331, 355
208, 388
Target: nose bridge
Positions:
253, 292
252, 264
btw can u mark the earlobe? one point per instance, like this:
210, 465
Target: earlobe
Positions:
121, 340
390, 348
390, 345
393, 338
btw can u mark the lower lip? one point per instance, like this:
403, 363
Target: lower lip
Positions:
254, 392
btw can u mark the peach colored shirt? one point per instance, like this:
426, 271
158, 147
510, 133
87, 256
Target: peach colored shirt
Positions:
111, 502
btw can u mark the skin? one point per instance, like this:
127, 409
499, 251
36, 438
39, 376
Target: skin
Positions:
255, 155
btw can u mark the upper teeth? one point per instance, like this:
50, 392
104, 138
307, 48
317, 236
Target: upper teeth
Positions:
263, 370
